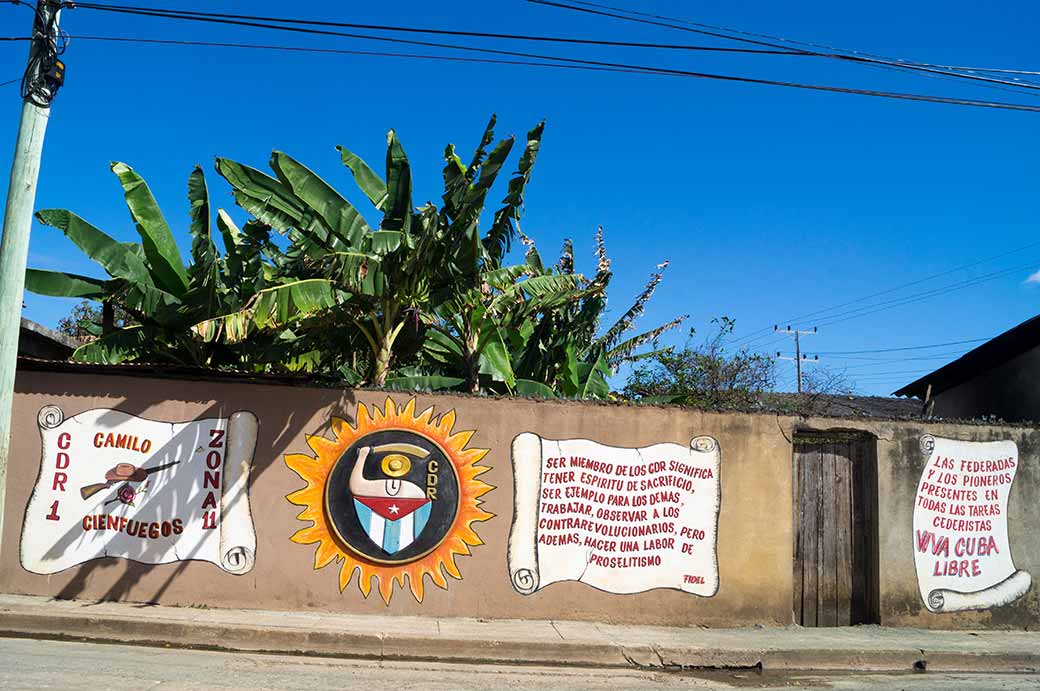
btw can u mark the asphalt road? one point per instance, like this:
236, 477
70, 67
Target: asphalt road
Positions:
32, 664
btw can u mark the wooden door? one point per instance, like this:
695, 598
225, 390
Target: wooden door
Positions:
835, 548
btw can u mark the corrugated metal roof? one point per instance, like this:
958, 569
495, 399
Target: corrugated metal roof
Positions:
1007, 346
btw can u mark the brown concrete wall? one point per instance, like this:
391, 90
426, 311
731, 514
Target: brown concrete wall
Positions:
755, 525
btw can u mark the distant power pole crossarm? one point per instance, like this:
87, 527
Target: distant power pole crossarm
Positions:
44, 75
798, 357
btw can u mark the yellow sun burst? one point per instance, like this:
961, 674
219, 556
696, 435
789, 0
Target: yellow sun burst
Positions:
458, 539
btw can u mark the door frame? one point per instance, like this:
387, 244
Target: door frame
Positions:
865, 604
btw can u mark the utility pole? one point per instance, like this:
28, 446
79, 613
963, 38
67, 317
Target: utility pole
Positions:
44, 75
798, 357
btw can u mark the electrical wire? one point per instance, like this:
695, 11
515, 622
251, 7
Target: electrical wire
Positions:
341, 51
896, 350
11, 81
859, 58
944, 290
809, 44
599, 63
751, 337
37, 88
440, 32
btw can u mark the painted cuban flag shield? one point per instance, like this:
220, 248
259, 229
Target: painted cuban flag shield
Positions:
392, 511
392, 523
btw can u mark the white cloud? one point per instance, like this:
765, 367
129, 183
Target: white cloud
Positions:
1034, 278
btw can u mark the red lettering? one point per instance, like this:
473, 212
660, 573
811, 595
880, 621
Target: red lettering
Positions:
217, 436
213, 460
64, 440
62, 461
209, 520
210, 502
59, 482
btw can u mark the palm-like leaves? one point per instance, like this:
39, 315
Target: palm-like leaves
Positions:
150, 282
425, 299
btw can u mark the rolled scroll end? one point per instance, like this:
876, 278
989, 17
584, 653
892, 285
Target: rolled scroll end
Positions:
50, 416
704, 444
523, 536
927, 444
936, 600
525, 581
1004, 593
238, 560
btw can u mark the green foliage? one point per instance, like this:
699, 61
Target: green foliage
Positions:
425, 299
159, 301
704, 374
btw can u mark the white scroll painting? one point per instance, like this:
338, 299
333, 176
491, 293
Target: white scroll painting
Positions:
113, 484
622, 520
961, 547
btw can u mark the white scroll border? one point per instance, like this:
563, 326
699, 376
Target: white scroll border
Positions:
997, 595
51, 416
718, 515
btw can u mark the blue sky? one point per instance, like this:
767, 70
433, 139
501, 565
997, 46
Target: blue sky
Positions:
770, 203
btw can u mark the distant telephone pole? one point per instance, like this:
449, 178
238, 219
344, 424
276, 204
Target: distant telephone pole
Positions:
798, 357
44, 75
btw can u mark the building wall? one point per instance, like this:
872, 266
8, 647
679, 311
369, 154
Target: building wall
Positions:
1007, 391
755, 521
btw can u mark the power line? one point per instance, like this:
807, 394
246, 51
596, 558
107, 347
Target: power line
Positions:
343, 51
899, 302
151, 11
752, 336
801, 43
1000, 105
917, 347
858, 58
11, 81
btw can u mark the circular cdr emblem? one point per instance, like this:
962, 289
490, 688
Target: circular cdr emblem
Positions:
393, 498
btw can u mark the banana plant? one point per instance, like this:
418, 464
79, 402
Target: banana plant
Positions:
561, 348
150, 281
477, 300
426, 276
376, 278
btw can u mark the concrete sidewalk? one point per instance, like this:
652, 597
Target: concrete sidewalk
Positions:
868, 648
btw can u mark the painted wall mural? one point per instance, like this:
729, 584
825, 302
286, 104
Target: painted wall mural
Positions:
622, 520
113, 484
961, 547
393, 498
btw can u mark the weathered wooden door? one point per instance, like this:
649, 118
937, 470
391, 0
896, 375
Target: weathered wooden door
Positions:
835, 548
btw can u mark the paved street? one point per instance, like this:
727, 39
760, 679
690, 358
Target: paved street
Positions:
31, 664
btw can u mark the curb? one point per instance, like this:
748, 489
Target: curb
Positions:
339, 643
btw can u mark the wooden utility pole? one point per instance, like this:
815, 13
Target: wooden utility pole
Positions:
44, 75
798, 357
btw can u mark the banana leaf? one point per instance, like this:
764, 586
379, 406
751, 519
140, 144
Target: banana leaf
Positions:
271, 307
494, 359
499, 237
119, 346
58, 284
398, 210
204, 272
160, 248
349, 228
366, 178
423, 383
526, 387
116, 258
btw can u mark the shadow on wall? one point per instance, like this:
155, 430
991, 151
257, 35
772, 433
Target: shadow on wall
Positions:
271, 442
